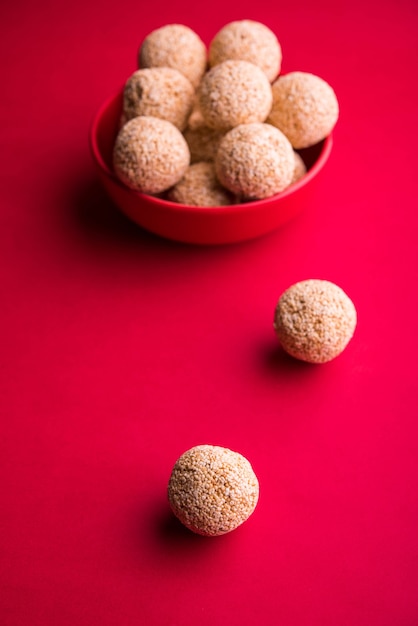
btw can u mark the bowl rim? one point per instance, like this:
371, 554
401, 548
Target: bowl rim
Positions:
177, 207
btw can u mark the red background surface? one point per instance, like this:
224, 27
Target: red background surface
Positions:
121, 350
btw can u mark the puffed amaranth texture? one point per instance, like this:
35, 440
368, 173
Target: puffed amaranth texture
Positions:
305, 108
176, 46
203, 141
247, 40
200, 187
212, 490
150, 155
255, 161
159, 92
314, 320
300, 168
233, 93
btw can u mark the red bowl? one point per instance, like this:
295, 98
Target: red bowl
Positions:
200, 225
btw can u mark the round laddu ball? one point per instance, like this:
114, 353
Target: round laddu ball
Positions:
176, 46
234, 92
203, 141
300, 168
150, 155
247, 40
255, 161
315, 320
212, 490
159, 92
122, 120
200, 187
195, 120
305, 108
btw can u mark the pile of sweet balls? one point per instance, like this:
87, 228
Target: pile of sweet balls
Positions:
218, 125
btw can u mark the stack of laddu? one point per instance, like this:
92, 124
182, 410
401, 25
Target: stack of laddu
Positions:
218, 125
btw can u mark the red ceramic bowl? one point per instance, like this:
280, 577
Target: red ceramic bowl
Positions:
199, 225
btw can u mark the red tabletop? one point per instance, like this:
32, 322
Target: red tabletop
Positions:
121, 350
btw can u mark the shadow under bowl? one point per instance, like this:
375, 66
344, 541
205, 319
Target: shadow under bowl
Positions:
200, 225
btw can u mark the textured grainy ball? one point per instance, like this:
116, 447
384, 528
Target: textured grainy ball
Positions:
315, 320
177, 46
159, 92
200, 187
122, 120
255, 161
247, 40
300, 168
234, 92
212, 490
196, 118
150, 154
203, 141
305, 108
